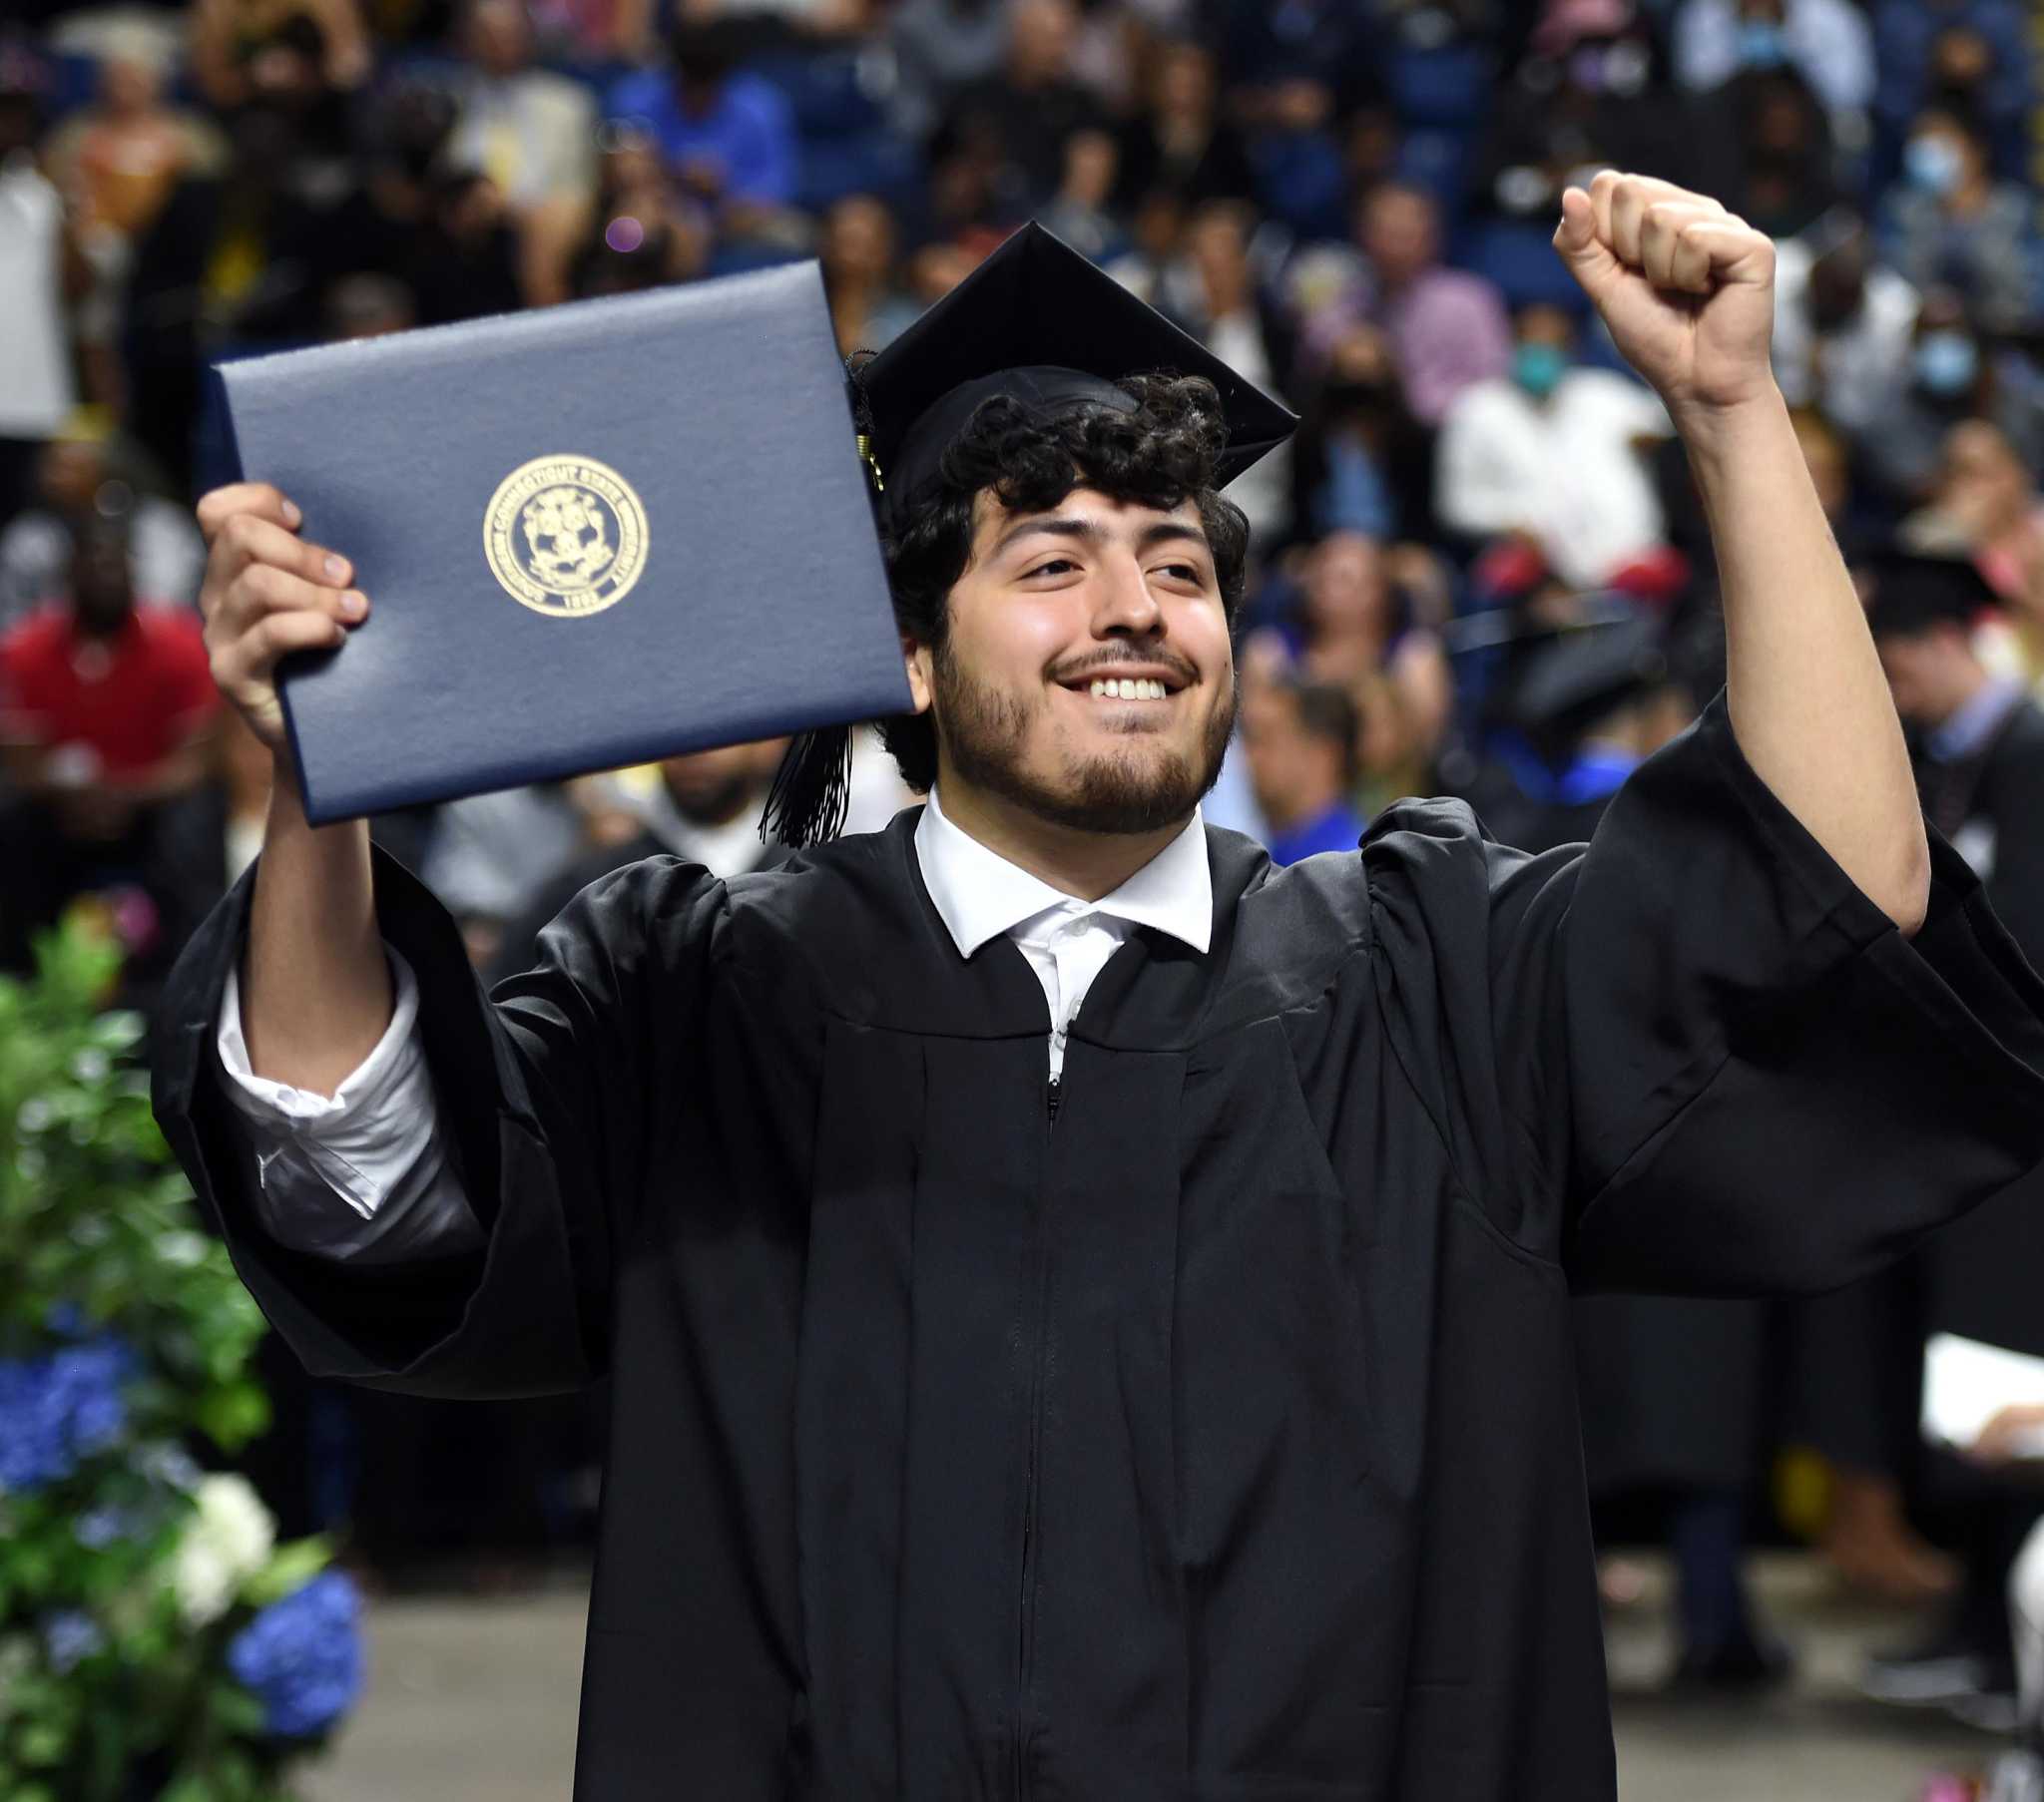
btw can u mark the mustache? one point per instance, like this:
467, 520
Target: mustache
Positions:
1168, 660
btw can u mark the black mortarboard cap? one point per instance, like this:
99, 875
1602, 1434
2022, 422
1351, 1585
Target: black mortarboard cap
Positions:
1038, 323
1584, 675
1916, 590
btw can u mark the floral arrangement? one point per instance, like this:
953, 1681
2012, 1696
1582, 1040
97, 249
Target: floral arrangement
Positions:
156, 1643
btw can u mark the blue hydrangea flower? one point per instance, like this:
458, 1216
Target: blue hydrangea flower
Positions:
57, 1409
70, 1634
99, 1527
303, 1656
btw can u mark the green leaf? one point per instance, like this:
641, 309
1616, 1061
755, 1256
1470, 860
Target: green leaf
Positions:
237, 1711
231, 1414
291, 1566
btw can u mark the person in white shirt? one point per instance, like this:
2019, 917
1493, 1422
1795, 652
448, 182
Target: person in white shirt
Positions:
1554, 451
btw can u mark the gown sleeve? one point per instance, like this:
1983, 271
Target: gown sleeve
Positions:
543, 1092
1694, 1057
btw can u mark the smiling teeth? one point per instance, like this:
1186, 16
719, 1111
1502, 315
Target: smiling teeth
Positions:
1141, 688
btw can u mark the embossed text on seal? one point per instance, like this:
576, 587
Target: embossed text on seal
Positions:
565, 536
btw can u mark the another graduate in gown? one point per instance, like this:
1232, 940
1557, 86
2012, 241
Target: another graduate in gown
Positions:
1169, 1395
1978, 741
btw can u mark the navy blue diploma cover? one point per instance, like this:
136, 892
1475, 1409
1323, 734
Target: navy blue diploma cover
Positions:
590, 535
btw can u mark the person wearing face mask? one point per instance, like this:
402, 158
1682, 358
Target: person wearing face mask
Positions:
1949, 219
1827, 42
1952, 374
1550, 451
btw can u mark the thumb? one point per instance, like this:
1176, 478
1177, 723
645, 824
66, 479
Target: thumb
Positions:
1591, 261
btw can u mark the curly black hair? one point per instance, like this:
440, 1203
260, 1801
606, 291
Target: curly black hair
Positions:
1164, 452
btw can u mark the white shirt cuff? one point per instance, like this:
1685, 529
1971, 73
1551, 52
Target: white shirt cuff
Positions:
363, 1138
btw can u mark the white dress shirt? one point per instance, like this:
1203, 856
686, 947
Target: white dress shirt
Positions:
376, 1145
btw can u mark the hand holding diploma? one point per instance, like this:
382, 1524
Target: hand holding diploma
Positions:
268, 593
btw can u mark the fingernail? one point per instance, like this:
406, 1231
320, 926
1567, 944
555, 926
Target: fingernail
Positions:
292, 515
354, 605
337, 570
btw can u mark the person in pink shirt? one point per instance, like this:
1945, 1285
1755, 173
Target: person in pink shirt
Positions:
1449, 328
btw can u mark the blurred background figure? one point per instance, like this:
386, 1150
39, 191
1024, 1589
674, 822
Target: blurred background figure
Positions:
1844, 322
86, 469
1953, 221
1552, 453
702, 807
1304, 743
106, 709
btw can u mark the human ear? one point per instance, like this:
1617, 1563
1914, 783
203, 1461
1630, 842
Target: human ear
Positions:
915, 659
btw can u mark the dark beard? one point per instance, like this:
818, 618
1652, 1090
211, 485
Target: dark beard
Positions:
982, 730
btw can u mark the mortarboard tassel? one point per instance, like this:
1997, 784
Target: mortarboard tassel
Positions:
811, 788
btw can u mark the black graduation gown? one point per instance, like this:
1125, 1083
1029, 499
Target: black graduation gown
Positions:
1218, 1441
1671, 1387
1985, 1278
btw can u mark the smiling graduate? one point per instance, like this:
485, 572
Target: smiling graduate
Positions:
1087, 1310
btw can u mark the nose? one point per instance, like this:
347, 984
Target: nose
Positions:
1126, 607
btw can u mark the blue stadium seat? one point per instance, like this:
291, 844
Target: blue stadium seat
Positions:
1450, 86
1518, 255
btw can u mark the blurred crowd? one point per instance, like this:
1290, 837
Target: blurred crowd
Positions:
1480, 568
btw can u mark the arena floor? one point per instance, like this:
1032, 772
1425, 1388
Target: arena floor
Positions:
475, 1702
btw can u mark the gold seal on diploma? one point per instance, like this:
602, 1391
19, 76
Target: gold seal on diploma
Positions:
565, 536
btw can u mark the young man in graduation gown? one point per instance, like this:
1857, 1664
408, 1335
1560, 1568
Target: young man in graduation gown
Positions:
1088, 1312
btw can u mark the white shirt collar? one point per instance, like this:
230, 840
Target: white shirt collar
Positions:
981, 895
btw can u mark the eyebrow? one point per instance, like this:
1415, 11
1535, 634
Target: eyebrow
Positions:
1088, 532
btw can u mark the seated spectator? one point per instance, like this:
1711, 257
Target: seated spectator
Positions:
39, 270
530, 131
1825, 41
941, 48
1302, 745
1447, 327
1843, 322
1951, 222
244, 256
1359, 458
105, 711
1364, 618
1787, 177
1955, 373
237, 47
1986, 504
120, 157
636, 230
857, 251
1970, 54
1587, 94
1232, 317
465, 260
1180, 140
1014, 125
728, 136
85, 469
1081, 211
702, 807
1552, 452
491, 854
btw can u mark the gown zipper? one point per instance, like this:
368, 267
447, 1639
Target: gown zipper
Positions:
1025, 1607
